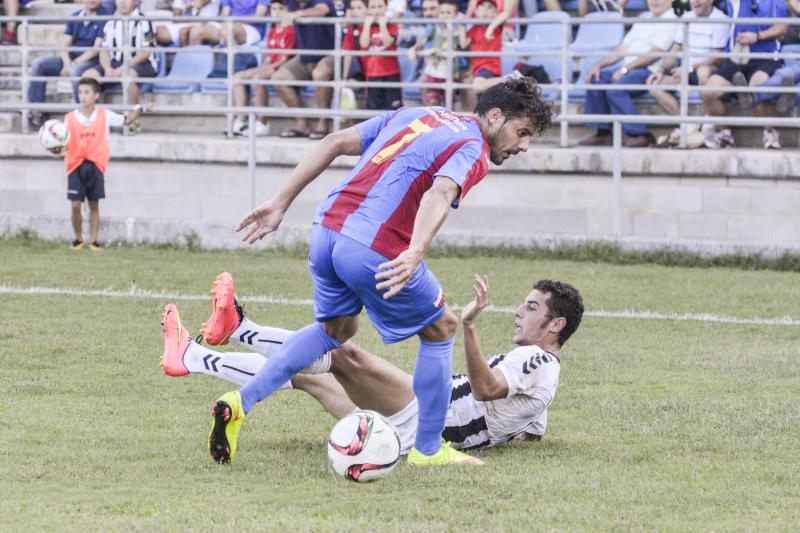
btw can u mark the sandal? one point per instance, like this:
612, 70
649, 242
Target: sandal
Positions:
293, 133
317, 134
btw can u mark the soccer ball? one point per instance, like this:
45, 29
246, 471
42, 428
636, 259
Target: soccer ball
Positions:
364, 446
53, 134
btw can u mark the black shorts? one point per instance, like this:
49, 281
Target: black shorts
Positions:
143, 70
728, 68
86, 181
384, 97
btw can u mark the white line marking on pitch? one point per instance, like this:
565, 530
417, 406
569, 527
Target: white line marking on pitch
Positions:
136, 292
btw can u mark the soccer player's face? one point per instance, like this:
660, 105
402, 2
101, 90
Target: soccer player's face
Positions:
531, 320
509, 137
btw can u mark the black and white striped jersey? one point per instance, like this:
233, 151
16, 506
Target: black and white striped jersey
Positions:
532, 377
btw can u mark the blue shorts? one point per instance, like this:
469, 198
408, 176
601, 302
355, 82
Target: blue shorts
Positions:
343, 276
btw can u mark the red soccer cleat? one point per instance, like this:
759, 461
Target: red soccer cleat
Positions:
176, 341
226, 316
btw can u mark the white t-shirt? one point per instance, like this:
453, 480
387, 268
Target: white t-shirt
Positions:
113, 119
532, 377
642, 38
211, 9
704, 37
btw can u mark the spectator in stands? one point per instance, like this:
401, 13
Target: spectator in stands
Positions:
787, 76
351, 42
505, 9
437, 64
308, 67
478, 39
78, 34
243, 32
177, 33
588, 6
704, 38
11, 9
741, 70
280, 37
619, 68
377, 35
141, 64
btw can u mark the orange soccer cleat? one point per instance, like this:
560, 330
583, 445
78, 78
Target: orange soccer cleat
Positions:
176, 341
226, 316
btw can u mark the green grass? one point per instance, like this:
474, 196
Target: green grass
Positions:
657, 424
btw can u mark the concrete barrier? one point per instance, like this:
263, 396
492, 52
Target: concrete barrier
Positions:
168, 188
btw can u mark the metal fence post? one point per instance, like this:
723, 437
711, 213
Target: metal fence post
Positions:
616, 180
448, 93
566, 70
337, 75
229, 41
684, 82
251, 157
23, 67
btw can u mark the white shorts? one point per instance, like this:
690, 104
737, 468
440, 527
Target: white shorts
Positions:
251, 34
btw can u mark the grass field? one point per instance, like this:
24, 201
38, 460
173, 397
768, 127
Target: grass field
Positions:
658, 424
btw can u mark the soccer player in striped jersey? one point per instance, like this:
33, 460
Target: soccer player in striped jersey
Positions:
368, 242
497, 400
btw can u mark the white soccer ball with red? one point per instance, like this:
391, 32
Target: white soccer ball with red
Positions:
364, 446
53, 134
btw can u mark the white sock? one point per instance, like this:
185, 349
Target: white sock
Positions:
236, 367
265, 340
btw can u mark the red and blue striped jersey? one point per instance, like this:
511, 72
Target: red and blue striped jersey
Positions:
402, 152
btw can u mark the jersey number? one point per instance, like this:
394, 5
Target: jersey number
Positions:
417, 128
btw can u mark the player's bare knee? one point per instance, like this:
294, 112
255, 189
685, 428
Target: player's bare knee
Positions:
347, 358
441, 330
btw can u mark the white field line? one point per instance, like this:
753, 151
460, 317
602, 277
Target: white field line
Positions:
136, 292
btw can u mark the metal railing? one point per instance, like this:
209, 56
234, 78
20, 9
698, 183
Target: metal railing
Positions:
450, 85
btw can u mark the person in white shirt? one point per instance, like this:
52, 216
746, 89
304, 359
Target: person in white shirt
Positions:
626, 67
499, 399
177, 33
704, 38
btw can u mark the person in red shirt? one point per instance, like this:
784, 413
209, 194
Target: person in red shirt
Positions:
280, 37
352, 34
380, 36
479, 39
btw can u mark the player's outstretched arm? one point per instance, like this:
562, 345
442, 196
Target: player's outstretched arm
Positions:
266, 218
487, 383
432, 212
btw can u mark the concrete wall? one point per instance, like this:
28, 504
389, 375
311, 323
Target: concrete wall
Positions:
162, 189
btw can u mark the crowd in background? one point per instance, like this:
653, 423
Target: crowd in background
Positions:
425, 46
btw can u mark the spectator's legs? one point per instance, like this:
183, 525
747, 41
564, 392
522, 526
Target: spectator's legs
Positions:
480, 85
666, 99
597, 101
791, 72
468, 97
712, 101
78, 71
45, 66
77, 220
239, 33
11, 8
240, 94
94, 219
133, 87
204, 34
322, 95
290, 97
261, 99
621, 102
552, 5
766, 109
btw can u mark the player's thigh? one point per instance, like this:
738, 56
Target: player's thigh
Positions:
419, 304
332, 296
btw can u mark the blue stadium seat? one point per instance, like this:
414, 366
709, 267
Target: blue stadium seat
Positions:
635, 5
187, 64
566, 5
595, 38
544, 36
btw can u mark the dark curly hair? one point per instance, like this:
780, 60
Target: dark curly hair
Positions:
564, 300
518, 98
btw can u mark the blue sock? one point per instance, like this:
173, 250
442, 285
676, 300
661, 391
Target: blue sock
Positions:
432, 379
297, 352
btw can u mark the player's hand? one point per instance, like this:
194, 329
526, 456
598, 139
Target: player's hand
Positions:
261, 221
474, 308
397, 272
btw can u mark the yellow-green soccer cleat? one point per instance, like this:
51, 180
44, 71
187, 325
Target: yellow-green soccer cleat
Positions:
446, 455
228, 418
